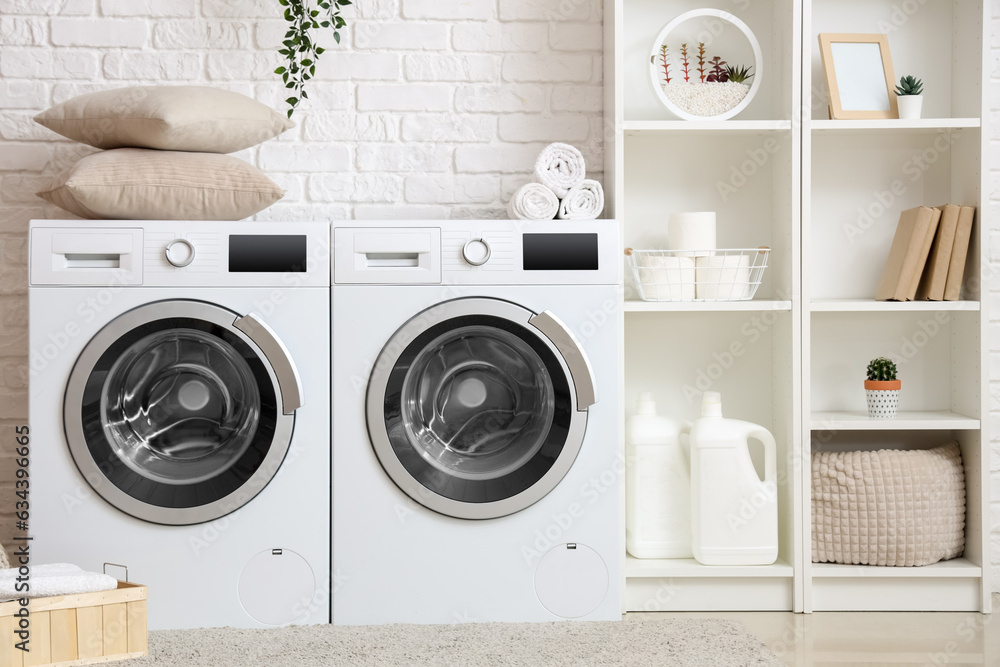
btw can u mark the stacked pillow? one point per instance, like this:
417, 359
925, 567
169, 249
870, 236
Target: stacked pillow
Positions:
165, 154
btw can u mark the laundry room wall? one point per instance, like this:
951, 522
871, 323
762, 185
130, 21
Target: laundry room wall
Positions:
427, 109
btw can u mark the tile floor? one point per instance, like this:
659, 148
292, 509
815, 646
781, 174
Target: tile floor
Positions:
830, 639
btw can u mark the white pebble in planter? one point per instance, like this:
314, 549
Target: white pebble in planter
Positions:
702, 100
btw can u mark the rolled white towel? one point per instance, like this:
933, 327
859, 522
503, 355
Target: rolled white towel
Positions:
584, 202
561, 167
533, 201
54, 579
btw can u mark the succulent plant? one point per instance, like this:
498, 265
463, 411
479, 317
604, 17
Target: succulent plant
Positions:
718, 73
881, 369
739, 74
909, 85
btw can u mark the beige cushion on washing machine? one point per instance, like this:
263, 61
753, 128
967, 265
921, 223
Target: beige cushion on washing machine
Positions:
141, 184
171, 118
888, 507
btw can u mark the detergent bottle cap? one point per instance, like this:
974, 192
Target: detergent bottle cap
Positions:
711, 404
645, 405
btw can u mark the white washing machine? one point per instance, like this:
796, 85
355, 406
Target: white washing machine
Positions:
180, 413
477, 466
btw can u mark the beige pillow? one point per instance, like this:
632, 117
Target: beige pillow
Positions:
140, 184
170, 118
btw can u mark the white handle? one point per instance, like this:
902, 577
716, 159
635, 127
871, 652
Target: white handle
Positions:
770, 453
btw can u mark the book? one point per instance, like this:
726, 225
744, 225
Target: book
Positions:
936, 272
959, 253
910, 247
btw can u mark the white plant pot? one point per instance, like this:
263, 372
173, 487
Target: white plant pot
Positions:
909, 106
882, 403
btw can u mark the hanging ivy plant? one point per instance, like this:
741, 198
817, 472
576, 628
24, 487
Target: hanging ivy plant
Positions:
299, 49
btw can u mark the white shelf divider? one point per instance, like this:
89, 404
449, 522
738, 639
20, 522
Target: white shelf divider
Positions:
632, 306
870, 305
689, 567
709, 126
955, 568
891, 125
904, 421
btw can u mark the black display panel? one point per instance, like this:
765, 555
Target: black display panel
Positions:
266, 253
560, 252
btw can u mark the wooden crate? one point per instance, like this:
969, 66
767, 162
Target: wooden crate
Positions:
81, 629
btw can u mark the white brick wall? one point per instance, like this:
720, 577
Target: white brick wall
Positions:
428, 109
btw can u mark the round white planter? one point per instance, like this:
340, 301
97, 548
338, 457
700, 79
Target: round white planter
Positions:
717, 15
910, 106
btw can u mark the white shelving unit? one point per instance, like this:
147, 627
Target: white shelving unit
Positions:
857, 177
824, 200
748, 350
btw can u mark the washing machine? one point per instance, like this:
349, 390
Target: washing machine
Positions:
477, 460
180, 413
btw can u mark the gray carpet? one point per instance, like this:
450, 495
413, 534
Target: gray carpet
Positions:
675, 642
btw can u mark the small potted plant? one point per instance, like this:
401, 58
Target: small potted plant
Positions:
882, 388
909, 98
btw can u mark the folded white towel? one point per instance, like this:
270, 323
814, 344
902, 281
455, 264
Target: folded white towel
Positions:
584, 202
533, 201
561, 167
54, 579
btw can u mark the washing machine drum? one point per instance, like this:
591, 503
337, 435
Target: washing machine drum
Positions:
474, 407
172, 412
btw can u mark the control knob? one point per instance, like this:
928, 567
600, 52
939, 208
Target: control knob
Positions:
476, 252
179, 252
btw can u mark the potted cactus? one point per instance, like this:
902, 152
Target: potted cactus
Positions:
909, 97
882, 388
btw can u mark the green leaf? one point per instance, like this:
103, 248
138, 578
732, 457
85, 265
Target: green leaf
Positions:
305, 95
320, 50
292, 100
336, 36
325, 24
280, 70
307, 62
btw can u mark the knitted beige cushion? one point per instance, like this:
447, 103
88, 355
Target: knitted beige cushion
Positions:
140, 184
170, 118
888, 507
4, 563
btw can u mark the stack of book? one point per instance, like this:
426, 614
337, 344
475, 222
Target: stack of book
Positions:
927, 258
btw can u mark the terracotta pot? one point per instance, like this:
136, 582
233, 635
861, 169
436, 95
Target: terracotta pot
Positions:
883, 385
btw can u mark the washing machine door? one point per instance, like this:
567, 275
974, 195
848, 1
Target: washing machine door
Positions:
179, 412
477, 408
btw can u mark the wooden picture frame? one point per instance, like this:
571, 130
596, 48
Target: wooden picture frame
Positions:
858, 90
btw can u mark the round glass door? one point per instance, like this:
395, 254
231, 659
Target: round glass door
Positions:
172, 414
472, 411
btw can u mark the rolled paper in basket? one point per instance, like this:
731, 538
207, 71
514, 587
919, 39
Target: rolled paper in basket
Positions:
533, 201
724, 277
667, 278
691, 232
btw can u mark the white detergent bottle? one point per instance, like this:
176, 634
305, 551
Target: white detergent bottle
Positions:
657, 485
734, 513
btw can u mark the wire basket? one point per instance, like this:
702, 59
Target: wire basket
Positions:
693, 275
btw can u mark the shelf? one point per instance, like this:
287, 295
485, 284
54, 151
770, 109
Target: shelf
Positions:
918, 125
633, 306
904, 421
955, 568
689, 567
870, 305
707, 126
